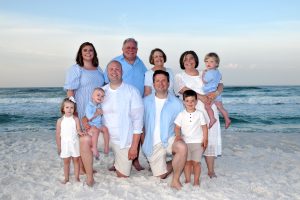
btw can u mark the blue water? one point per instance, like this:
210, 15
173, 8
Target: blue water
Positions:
251, 109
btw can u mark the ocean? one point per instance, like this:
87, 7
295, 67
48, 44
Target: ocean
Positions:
261, 109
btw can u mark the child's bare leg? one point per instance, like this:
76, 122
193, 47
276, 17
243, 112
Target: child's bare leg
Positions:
67, 162
76, 168
187, 171
197, 172
94, 132
224, 112
104, 130
210, 113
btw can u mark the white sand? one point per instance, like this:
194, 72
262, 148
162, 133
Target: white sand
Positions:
253, 166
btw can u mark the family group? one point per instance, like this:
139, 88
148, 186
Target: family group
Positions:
163, 113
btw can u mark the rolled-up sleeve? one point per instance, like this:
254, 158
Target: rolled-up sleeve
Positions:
72, 81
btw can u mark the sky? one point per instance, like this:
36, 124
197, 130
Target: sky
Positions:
258, 41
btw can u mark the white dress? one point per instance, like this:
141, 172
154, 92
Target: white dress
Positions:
214, 147
69, 138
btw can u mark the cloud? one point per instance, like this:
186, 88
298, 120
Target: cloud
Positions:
231, 66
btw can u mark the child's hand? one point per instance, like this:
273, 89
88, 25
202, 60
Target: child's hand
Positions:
99, 111
178, 138
80, 133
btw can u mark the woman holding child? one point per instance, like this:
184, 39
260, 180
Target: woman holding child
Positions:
191, 78
81, 80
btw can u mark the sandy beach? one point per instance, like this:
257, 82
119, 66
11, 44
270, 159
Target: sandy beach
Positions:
253, 166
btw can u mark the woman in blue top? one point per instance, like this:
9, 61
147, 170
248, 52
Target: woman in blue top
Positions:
81, 80
83, 77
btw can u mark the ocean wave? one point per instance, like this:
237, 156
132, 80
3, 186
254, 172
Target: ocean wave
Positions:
267, 100
241, 88
56, 100
264, 120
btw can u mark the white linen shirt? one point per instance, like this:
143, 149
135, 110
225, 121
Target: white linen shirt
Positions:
123, 113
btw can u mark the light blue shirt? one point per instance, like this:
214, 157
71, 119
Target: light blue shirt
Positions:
211, 80
133, 74
169, 112
90, 110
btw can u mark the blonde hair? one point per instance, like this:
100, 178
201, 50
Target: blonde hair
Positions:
213, 56
98, 89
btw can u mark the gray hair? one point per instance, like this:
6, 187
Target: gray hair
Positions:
130, 40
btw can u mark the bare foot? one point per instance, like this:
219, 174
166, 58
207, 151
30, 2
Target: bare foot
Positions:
64, 181
212, 122
176, 185
212, 175
187, 181
90, 183
137, 165
196, 183
227, 123
77, 180
112, 169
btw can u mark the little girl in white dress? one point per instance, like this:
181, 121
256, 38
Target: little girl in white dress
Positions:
67, 140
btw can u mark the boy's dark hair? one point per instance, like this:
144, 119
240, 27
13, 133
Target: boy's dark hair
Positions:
189, 93
161, 72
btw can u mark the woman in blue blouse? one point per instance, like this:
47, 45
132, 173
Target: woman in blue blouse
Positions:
82, 78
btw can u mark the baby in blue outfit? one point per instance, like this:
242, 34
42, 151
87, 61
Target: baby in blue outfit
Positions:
93, 112
211, 78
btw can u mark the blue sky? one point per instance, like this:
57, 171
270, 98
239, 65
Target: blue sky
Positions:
258, 41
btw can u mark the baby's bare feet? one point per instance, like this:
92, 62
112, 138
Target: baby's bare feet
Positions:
227, 123
212, 122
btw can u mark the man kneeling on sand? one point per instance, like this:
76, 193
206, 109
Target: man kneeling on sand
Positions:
160, 111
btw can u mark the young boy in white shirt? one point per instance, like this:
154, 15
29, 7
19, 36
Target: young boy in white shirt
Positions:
191, 124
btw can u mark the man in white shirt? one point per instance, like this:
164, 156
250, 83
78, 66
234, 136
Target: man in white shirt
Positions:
123, 116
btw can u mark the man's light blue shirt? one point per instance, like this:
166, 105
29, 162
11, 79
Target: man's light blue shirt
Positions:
133, 74
169, 112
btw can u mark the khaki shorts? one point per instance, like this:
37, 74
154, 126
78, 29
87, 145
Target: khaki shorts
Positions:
157, 160
195, 152
122, 164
